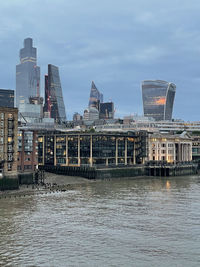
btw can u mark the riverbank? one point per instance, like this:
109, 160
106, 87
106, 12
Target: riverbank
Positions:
52, 183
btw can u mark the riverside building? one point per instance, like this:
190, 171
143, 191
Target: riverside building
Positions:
8, 142
170, 148
92, 149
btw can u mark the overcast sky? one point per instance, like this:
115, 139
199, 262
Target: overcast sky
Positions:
113, 42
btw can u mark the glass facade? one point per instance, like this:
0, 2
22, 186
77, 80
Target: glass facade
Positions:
7, 98
91, 149
54, 103
95, 97
158, 98
106, 110
27, 74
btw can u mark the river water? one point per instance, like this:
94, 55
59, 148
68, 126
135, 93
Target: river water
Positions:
119, 222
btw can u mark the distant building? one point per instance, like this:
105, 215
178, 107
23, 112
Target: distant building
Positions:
27, 74
95, 97
170, 148
54, 104
77, 117
8, 142
91, 114
7, 98
77, 149
158, 98
106, 110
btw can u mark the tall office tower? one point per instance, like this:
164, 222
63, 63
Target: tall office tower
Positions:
54, 104
27, 74
106, 110
95, 97
7, 98
158, 98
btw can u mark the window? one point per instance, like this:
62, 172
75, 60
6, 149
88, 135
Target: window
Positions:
10, 157
9, 166
2, 116
10, 116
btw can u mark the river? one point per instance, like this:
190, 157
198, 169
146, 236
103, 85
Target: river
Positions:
118, 222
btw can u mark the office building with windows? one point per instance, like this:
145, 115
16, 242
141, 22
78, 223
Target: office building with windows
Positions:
158, 98
7, 98
8, 142
106, 110
79, 149
54, 103
27, 74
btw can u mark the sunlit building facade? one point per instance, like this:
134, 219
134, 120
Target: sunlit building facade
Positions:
158, 98
170, 148
54, 104
27, 74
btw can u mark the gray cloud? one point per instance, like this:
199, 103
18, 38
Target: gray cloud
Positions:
115, 43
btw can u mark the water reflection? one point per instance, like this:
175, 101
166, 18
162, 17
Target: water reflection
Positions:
117, 221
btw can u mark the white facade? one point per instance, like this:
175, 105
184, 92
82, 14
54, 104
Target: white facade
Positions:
170, 148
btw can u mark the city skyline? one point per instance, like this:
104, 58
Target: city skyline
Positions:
124, 44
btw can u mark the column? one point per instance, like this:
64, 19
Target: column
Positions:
174, 153
91, 151
166, 151
23, 152
125, 151
79, 159
67, 159
54, 150
134, 161
116, 151
43, 150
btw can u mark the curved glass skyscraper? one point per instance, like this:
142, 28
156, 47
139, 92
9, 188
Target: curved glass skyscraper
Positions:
158, 98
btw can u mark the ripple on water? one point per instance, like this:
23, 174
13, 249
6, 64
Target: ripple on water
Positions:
109, 223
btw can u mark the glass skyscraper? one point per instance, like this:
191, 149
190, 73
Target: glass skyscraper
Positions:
158, 98
106, 110
27, 74
95, 97
54, 103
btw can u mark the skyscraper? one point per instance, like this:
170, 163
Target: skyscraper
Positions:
27, 74
106, 110
54, 103
158, 98
95, 97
